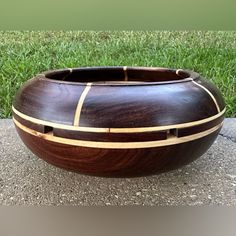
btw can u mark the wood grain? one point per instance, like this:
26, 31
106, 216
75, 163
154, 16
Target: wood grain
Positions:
172, 140
32, 120
130, 122
80, 104
210, 94
114, 162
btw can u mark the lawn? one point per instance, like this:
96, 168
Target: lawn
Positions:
24, 54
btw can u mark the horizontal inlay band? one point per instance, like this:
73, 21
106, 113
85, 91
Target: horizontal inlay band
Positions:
117, 130
117, 145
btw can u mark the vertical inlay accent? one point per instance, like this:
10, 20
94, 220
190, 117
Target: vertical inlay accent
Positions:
70, 70
178, 71
125, 72
80, 104
211, 95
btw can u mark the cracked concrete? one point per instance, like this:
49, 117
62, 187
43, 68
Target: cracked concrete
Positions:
28, 180
229, 129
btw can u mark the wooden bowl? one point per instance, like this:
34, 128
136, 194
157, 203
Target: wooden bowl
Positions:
118, 121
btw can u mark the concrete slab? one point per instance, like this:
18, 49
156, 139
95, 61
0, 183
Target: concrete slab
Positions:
27, 180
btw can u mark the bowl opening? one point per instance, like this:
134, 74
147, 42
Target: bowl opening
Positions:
117, 74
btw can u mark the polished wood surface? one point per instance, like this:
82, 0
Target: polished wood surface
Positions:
118, 121
171, 139
117, 162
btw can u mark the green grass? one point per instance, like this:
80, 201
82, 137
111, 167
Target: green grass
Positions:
24, 54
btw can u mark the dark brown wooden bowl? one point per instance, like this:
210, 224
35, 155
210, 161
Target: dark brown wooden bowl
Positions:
118, 121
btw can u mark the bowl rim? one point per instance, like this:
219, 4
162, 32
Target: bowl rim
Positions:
192, 75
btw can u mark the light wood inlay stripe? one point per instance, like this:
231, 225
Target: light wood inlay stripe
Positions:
211, 95
117, 130
80, 104
125, 72
117, 145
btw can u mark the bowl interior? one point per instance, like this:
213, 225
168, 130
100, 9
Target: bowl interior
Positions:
117, 74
